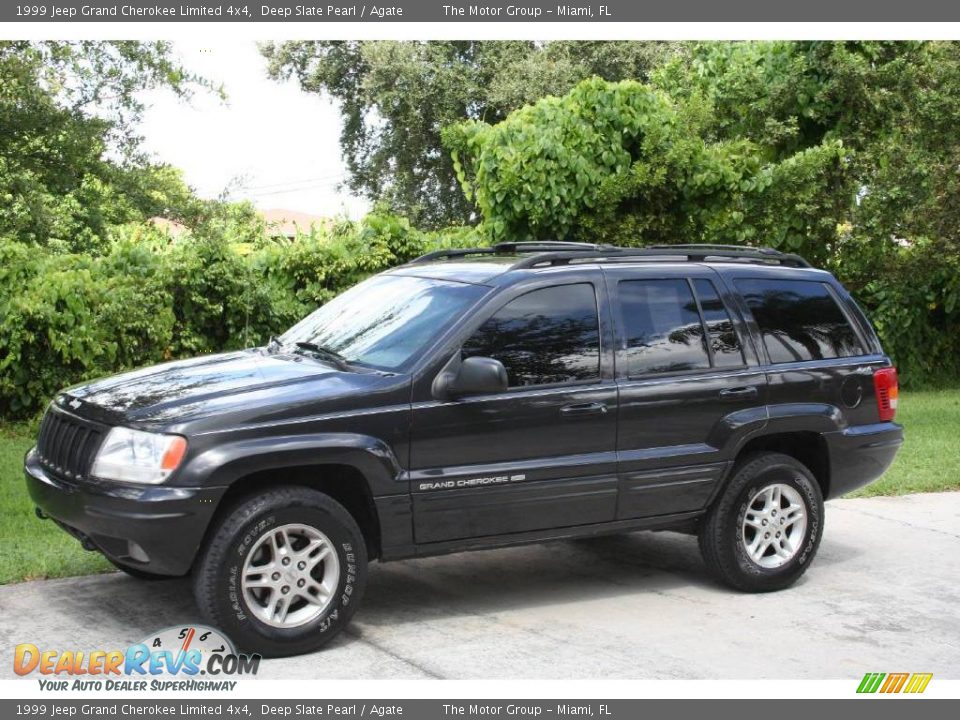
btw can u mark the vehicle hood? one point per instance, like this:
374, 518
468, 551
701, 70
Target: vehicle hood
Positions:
249, 384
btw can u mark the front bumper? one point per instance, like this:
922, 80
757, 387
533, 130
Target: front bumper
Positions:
154, 528
861, 454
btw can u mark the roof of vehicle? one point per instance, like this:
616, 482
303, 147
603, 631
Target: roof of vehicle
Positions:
481, 269
484, 265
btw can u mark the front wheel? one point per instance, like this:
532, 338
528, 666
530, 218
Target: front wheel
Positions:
764, 530
283, 572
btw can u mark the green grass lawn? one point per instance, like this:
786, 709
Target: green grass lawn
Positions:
32, 548
929, 461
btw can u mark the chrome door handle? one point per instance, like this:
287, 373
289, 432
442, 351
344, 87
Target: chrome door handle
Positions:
581, 409
740, 393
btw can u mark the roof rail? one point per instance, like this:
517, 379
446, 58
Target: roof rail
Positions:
690, 253
547, 245
559, 253
698, 252
451, 253
510, 248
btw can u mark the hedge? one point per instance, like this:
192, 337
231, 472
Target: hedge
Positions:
71, 317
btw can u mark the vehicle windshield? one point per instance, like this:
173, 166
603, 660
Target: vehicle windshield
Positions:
385, 321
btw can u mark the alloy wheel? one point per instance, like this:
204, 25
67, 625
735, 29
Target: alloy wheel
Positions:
290, 575
774, 525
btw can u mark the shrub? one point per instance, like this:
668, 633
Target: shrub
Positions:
914, 303
625, 163
633, 164
71, 317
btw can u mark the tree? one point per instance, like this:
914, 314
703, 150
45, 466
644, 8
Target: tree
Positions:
626, 163
774, 142
846, 153
396, 97
894, 106
69, 159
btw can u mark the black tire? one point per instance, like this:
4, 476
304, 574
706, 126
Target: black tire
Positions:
137, 572
217, 575
722, 533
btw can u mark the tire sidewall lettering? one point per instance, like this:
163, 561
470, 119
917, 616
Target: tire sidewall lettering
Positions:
813, 529
234, 593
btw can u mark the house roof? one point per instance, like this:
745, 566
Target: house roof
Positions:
288, 222
279, 223
171, 227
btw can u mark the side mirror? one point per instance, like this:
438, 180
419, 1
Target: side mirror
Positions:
470, 376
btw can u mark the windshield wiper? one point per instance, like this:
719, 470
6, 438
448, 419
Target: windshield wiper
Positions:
326, 353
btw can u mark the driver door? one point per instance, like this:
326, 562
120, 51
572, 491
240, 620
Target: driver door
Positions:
541, 454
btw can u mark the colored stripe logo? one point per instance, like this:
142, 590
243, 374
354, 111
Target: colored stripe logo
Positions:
894, 683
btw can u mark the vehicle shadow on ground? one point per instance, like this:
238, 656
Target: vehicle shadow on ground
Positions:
126, 610
575, 571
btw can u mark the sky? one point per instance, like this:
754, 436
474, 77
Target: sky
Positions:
272, 143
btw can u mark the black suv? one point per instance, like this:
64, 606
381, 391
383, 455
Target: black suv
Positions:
477, 398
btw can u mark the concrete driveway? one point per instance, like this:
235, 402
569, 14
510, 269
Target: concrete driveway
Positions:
883, 595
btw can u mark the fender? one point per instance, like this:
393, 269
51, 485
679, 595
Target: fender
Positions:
810, 417
224, 464
733, 433
736, 429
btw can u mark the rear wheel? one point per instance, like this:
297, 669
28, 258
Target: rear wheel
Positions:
283, 573
764, 530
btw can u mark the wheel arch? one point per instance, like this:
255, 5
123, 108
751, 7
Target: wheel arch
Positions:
350, 468
805, 446
342, 482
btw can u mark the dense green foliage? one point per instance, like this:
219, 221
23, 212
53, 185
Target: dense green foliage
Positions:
396, 97
846, 153
72, 316
625, 163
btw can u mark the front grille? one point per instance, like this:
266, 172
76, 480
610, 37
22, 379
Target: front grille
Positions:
67, 445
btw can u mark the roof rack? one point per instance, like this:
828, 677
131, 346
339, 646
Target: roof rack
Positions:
562, 253
689, 253
513, 248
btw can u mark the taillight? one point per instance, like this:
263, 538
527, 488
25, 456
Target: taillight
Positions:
887, 391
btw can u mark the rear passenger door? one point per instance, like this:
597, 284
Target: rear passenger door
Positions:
688, 378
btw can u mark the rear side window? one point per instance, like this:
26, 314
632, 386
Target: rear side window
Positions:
543, 337
799, 320
663, 327
724, 343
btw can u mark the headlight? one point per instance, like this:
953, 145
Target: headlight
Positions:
138, 457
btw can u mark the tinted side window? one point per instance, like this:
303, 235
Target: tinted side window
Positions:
723, 337
663, 327
546, 336
799, 320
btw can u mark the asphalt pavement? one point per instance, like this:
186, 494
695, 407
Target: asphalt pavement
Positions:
882, 595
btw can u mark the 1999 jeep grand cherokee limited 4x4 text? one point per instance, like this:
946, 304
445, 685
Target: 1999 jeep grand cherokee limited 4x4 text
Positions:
479, 398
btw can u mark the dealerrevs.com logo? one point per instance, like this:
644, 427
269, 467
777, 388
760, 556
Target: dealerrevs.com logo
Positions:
890, 683
193, 657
